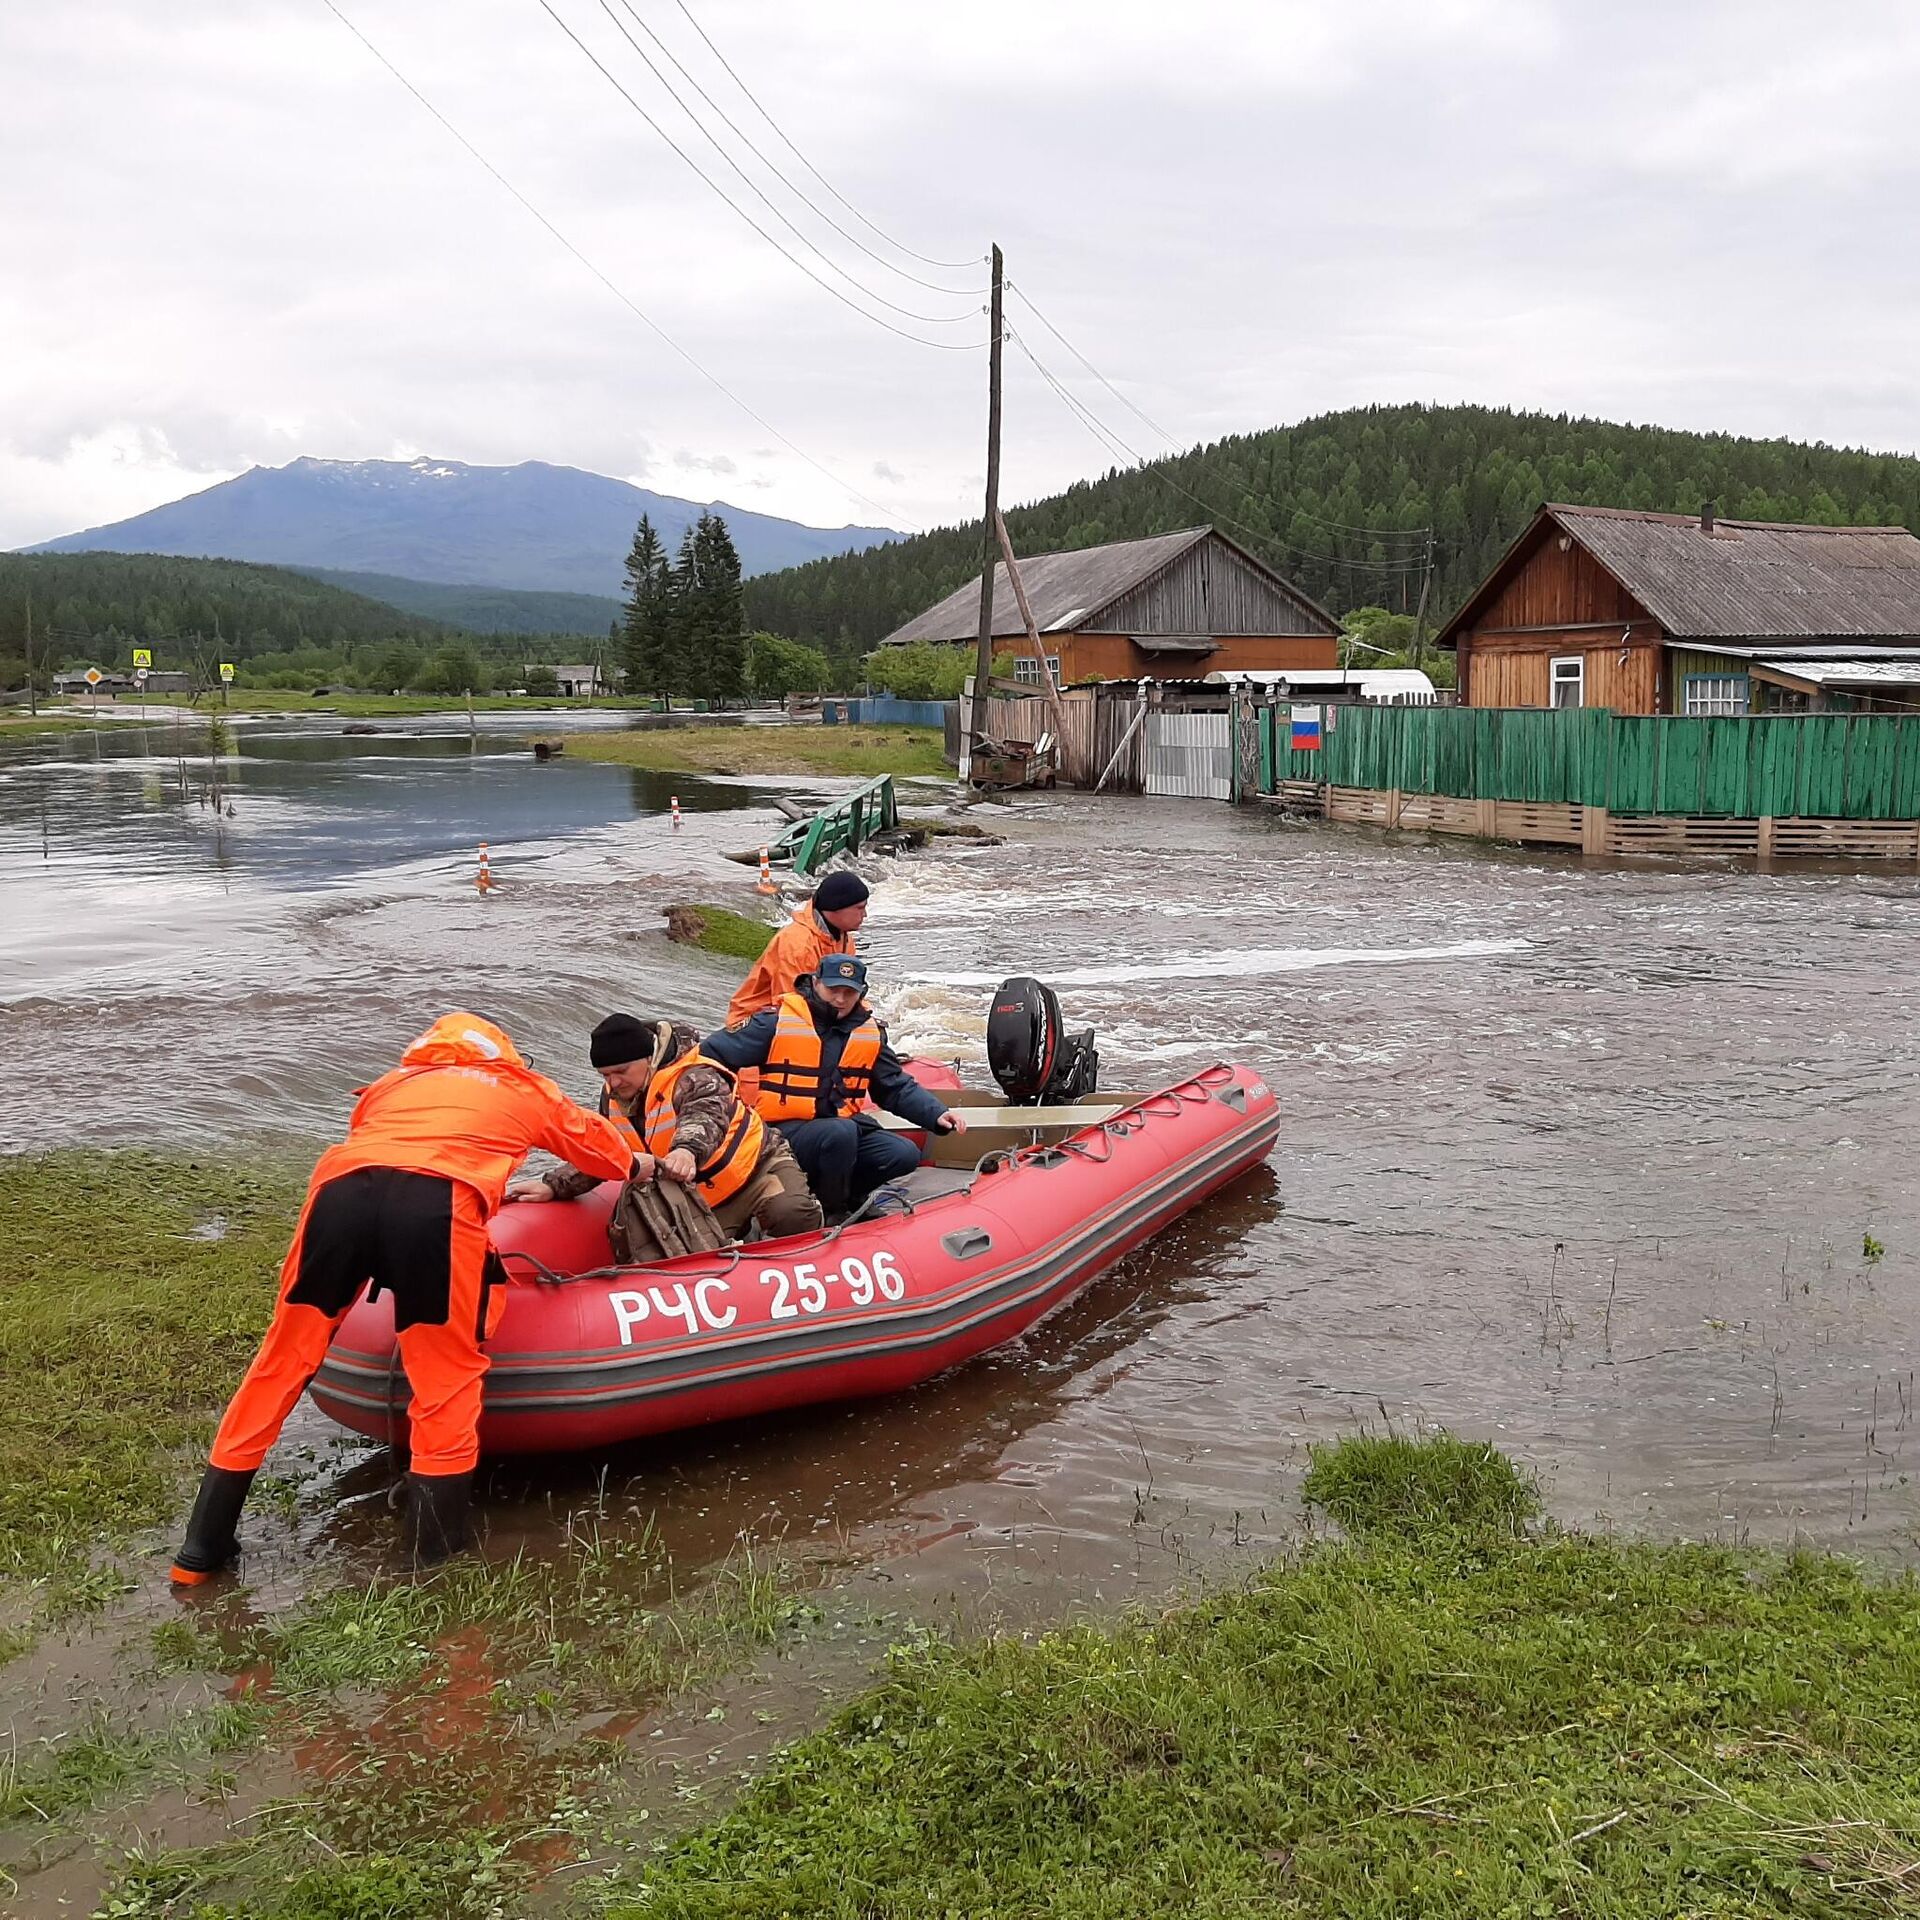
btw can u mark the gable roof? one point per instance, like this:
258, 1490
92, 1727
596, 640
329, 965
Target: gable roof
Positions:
1067, 591
1736, 579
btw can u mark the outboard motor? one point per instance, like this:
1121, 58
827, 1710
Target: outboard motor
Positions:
1034, 1060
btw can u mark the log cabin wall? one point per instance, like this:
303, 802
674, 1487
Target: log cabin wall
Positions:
1561, 602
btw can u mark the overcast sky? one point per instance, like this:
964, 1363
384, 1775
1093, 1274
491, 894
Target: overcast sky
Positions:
234, 238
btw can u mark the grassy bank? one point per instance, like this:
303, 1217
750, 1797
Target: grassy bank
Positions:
1448, 1713
854, 751
132, 1290
719, 930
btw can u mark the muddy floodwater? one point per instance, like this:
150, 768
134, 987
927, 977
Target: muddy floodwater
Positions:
1589, 1161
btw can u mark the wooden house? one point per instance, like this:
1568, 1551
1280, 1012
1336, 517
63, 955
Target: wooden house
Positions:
1677, 613
1178, 606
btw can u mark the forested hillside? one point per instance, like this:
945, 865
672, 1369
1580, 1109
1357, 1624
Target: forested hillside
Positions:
82, 602
1335, 503
481, 609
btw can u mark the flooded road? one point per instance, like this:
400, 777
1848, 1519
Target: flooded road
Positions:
1581, 1160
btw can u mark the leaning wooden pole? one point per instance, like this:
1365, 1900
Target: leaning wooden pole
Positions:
983, 659
1026, 614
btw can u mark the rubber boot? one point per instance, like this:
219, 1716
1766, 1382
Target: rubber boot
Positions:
435, 1525
212, 1543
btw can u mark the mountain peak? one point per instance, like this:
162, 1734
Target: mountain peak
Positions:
531, 525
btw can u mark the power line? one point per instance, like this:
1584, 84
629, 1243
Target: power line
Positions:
954, 266
753, 186
1113, 442
626, 300
773, 167
1338, 526
950, 346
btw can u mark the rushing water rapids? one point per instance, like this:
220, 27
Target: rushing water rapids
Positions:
1581, 1159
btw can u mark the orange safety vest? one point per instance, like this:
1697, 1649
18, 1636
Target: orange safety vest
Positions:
730, 1166
790, 1081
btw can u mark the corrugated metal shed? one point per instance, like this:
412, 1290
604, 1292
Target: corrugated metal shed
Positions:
1164, 582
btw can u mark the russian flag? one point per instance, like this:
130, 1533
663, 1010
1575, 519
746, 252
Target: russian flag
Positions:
1306, 730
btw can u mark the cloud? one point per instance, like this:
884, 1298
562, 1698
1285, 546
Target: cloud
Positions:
247, 241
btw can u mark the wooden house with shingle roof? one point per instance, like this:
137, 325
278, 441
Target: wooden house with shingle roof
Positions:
1682, 613
1177, 606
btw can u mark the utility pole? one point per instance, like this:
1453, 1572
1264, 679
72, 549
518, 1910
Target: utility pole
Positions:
989, 530
1420, 614
33, 703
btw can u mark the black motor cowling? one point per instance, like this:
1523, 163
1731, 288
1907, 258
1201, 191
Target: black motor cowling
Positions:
1033, 1059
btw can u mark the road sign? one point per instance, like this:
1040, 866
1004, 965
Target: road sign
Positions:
139, 676
94, 676
143, 656
226, 669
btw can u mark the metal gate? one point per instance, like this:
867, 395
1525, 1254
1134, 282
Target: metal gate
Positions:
1190, 754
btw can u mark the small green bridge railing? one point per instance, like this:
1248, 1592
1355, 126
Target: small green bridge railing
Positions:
843, 827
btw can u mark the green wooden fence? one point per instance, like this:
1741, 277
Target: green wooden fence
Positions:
1838, 766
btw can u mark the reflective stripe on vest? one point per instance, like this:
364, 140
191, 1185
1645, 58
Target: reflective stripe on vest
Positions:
728, 1168
790, 1081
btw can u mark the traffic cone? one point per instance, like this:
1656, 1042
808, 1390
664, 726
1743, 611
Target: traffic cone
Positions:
766, 875
483, 880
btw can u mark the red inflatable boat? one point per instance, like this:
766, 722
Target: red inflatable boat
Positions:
1034, 1204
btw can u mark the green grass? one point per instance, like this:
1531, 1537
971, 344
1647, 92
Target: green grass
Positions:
1390, 1484
855, 751
718, 930
14, 722
123, 1328
1478, 1723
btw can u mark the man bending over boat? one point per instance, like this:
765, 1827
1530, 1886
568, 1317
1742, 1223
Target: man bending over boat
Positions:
825, 924
681, 1120
404, 1202
820, 1054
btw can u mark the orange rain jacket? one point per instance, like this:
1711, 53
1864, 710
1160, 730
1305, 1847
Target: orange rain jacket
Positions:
797, 948
464, 1104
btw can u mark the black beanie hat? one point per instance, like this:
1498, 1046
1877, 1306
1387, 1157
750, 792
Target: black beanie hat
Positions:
839, 890
619, 1038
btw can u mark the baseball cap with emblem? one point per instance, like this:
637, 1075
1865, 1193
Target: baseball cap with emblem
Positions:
841, 970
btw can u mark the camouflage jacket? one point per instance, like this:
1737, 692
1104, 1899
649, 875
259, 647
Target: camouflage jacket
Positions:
702, 1107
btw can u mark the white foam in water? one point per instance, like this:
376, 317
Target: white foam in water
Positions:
1251, 961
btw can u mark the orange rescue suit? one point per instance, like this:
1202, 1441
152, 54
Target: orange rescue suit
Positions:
447, 1127
797, 948
790, 1081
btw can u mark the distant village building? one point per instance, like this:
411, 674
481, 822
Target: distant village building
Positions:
1178, 606
579, 681
1676, 613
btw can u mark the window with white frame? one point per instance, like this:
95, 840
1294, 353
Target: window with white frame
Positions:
1027, 668
1715, 693
1568, 680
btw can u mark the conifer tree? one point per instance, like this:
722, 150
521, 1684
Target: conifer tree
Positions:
647, 633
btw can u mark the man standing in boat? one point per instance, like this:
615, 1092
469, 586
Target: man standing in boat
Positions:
825, 924
681, 1121
821, 1054
404, 1202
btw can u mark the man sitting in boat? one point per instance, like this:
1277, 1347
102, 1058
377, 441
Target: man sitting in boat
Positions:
820, 1054
825, 924
678, 1112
